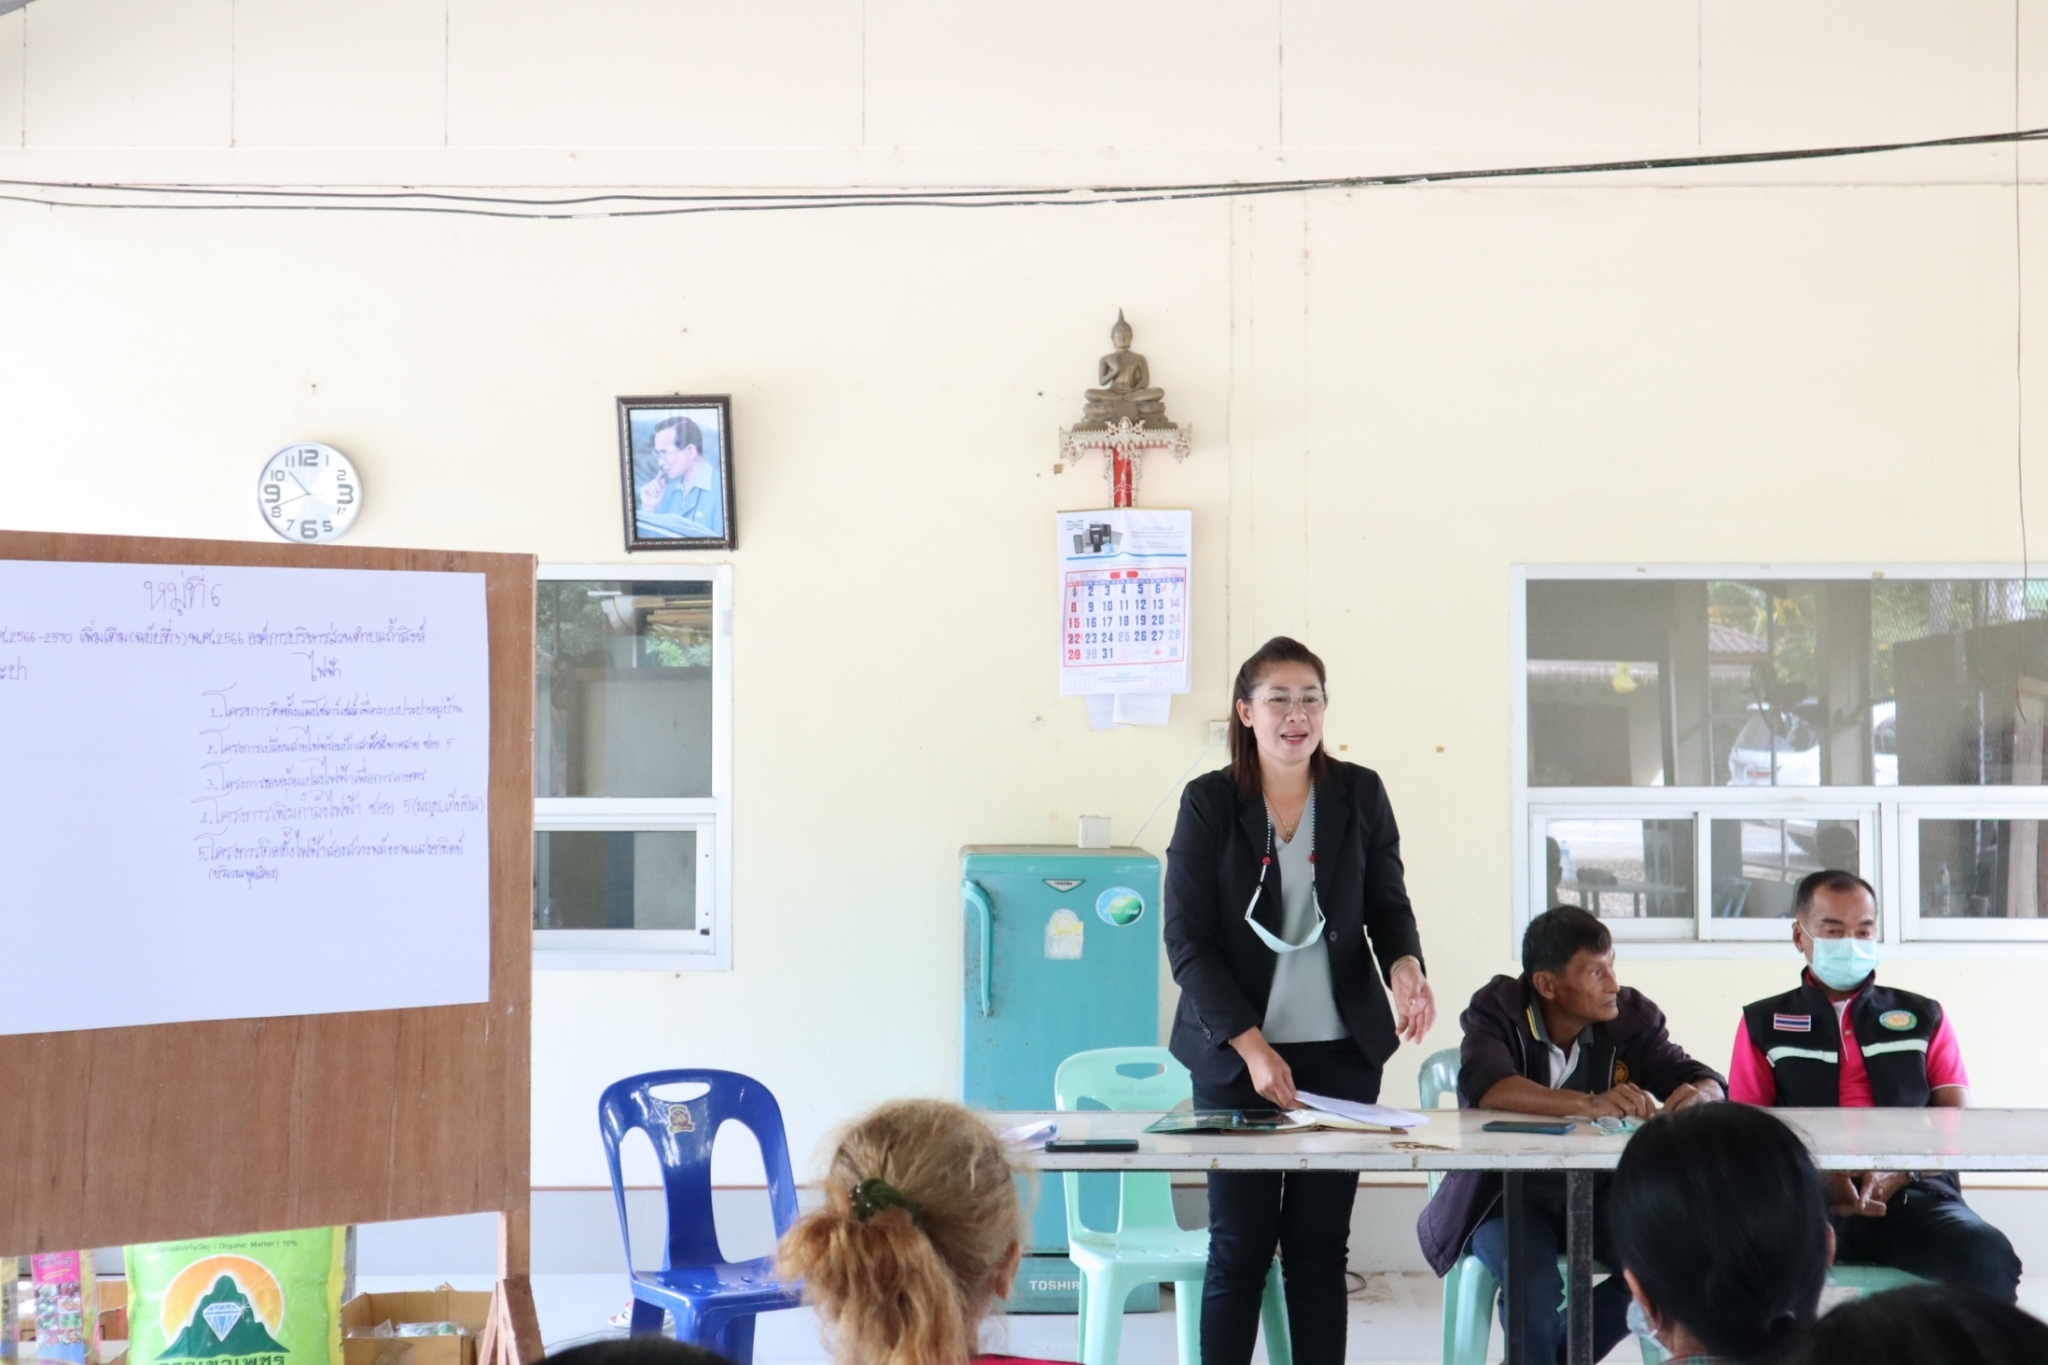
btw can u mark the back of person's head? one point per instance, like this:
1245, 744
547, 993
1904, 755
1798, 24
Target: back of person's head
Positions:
920, 1222
1719, 1214
1927, 1324
648, 1350
1560, 934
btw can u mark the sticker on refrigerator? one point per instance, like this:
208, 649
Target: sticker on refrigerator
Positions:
1063, 934
1120, 906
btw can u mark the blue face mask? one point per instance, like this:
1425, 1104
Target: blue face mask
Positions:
1843, 964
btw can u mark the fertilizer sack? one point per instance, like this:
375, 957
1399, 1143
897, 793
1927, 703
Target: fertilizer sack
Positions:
267, 1299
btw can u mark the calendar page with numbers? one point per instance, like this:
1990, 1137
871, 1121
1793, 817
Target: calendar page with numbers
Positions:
1124, 601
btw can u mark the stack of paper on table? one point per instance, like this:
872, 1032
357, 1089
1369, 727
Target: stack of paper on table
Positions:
1321, 1111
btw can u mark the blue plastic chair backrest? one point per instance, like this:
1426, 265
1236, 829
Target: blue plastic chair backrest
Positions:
682, 1132
1126, 1078
1439, 1078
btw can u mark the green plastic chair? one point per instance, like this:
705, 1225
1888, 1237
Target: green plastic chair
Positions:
1149, 1245
1870, 1279
1470, 1288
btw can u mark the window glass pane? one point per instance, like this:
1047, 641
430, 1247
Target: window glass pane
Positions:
1960, 668
1763, 678
1981, 869
1758, 864
607, 879
1621, 869
1598, 713
1787, 683
624, 678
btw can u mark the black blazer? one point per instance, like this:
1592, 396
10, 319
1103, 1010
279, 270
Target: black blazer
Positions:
1224, 971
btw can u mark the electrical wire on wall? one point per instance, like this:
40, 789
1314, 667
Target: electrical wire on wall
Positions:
86, 194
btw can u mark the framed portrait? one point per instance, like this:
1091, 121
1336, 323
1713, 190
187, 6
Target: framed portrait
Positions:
675, 456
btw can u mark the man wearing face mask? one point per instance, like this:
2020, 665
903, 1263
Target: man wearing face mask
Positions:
1842, 1040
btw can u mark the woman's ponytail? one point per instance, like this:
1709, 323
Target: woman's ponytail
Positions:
920, 1216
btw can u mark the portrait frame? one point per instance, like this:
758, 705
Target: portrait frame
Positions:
693, 498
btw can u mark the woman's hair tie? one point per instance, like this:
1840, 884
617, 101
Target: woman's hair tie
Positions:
874, 1194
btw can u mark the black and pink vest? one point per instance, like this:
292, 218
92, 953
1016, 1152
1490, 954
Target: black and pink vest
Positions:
1797, 1034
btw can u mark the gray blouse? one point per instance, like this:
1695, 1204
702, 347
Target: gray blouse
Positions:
1303, 1005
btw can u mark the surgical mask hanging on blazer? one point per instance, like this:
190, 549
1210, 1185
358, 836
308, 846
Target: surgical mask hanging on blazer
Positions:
1277, 916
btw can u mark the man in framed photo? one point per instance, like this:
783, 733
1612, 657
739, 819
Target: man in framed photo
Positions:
682, 500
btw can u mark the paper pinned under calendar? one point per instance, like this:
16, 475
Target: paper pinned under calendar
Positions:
1124, 601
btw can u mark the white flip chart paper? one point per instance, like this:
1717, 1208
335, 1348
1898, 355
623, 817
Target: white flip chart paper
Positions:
232, 793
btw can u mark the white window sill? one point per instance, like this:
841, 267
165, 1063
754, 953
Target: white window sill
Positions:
625, 959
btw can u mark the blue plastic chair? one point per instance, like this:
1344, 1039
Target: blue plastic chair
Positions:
1149, 1245
1470, 1289
714, 1301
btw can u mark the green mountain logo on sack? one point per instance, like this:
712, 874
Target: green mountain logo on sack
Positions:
272, 1299
225, 1324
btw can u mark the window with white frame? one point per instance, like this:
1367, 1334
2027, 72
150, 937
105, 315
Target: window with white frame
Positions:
632, 808
1691, 742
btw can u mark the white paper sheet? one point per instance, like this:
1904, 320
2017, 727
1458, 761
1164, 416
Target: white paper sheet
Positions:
1102, 712
1143, 708
235, 793
1114, 711
1383, 1115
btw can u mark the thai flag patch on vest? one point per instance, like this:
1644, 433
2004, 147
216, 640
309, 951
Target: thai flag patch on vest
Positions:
1792, 1023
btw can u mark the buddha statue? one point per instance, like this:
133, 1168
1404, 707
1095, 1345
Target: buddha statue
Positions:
1126, 387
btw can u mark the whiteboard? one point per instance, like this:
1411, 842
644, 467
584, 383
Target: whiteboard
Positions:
234, 792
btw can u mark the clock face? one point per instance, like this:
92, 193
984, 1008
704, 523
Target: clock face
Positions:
309, 493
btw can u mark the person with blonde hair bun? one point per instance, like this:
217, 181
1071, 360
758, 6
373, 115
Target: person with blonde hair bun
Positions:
917, 1239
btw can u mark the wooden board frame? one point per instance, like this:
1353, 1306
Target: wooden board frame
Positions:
257, 1125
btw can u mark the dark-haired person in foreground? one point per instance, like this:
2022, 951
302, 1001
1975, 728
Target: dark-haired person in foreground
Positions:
1720, 1230
1564, 1039
651, 1350
1841, 1040
1926, 1324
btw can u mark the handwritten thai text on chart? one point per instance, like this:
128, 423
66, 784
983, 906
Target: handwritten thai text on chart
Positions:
236, 792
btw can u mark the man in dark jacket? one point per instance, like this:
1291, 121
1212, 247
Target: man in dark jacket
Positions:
1564, 1039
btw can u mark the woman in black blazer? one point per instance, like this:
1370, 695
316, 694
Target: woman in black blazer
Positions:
1285, 910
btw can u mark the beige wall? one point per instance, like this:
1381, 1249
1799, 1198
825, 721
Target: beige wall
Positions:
1396, 394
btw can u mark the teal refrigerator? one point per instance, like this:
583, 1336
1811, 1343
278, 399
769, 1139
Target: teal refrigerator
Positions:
1062, 955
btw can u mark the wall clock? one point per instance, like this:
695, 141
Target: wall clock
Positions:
309, 492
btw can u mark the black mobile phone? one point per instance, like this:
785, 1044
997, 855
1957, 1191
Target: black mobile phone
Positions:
1092, 1145
1521, 1126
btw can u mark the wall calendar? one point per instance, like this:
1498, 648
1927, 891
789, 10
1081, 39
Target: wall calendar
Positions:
1124, 601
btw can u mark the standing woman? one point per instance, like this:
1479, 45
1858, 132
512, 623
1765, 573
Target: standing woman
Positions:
1285, 910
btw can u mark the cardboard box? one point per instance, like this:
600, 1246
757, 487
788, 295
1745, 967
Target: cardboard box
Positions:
365, 1311
113, 1315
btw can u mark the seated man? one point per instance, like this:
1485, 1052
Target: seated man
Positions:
1564, 1039
1840, 1039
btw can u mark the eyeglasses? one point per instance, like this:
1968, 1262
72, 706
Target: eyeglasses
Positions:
1282, 703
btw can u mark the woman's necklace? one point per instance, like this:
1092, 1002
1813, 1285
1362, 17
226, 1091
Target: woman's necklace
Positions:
1288, 827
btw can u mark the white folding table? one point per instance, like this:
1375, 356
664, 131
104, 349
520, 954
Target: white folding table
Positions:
1453, 1140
